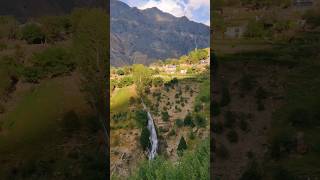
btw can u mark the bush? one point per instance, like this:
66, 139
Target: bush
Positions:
188, 121
33, 34
120, 72
200, 121
125, 81
144, 138
172, 133
198, 107
32, 74
157, 82
141, 118
53, 62
232, 136
179, 123
165, 116
181, 146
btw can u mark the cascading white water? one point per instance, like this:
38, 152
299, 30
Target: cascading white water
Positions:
153, 134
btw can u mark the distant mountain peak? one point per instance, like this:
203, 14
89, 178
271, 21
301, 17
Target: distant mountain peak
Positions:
143, 36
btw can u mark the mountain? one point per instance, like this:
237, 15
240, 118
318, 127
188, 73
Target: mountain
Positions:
23, 9
143, 36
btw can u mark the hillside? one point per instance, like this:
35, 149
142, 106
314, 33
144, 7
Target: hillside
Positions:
23, 10
143, 36
177, 97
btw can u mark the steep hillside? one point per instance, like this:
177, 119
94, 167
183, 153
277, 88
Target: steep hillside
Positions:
24, 9
142, 36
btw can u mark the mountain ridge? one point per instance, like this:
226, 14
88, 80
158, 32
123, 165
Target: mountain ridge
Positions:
143, 36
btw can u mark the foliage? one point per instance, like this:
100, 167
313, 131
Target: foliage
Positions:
165, 116
55, 27
120, 72
200, 120
182, 146
141, 118
188, 120
9, 27
32, 33
144, 138
125, 81
179, 123
197, 55
53, 62
193, 165
141, 77
158, 81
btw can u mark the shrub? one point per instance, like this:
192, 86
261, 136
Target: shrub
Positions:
125, 81
120, 72
157, 82
32, 74
53, 61
192, 136
144, 138
200, 121
198, 107
165, 116
232, 136
141, 118
182, 146
188, 121
33, 34
179, 123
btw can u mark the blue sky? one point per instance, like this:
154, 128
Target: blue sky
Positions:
195, 10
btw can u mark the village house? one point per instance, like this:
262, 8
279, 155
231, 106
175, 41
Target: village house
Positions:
170, 69
183, 71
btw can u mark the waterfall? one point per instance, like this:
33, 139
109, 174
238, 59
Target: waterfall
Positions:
153, 134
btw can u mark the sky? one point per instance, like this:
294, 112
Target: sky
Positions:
195, 10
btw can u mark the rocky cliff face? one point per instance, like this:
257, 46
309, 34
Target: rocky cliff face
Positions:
143, 36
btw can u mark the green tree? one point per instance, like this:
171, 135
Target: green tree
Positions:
182, 145
55, 27
32, 33
141, 77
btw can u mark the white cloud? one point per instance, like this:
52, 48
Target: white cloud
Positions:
178, 8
